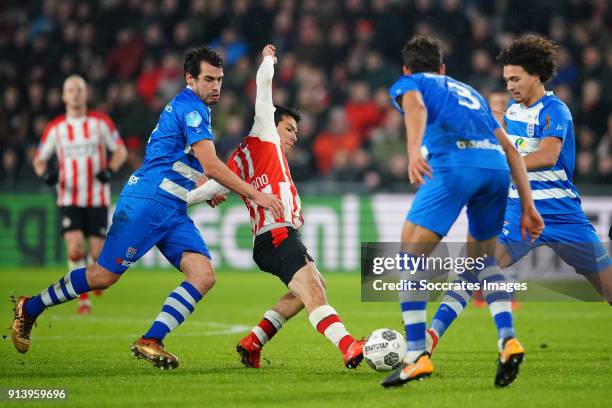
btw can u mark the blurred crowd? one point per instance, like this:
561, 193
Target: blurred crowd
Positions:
336, 61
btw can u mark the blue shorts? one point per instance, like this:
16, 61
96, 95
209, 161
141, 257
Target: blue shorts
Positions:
139, 224
439, 201
572, 237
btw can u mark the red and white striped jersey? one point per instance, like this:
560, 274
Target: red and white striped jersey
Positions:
258, 160
262, 164
81, 146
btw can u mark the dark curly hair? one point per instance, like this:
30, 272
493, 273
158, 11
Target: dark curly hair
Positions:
194, 56
534, 54
422, 54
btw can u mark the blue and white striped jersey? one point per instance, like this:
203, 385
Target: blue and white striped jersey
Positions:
170, 169
553, 190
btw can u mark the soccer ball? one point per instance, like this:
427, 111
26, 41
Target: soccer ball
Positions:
384, 350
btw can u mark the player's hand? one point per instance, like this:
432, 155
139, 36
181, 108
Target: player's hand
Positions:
105, 175
269, 51
216, 200
418, 168
532, 224
270, 202
50, 177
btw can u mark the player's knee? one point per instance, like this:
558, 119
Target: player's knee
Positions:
75, 252
203, 281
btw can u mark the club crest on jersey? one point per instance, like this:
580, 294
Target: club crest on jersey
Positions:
131, 252
193, 119
530, 129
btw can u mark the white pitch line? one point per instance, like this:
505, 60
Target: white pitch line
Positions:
225, 329
126, 320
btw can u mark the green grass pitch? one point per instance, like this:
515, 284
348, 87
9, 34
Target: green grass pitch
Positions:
568, 360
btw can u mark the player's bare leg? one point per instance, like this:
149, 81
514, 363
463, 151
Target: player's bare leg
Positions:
66, 289
199, 279
307, 285
249, 348
95, 248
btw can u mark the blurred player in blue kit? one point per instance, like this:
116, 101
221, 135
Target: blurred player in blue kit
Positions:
152, 211
459, 154
540, 125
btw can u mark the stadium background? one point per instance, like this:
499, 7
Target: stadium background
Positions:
336, 60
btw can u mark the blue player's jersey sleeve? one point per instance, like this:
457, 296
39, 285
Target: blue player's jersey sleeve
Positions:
460, 124
403, 85
195, 119
556, 122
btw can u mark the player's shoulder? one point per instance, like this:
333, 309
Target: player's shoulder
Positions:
553, 105
53, 123
188, 103
57, 120
98, 115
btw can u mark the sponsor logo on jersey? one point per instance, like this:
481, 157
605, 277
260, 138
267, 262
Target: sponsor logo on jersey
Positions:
530, 129
519, 143
133, 180
478, 144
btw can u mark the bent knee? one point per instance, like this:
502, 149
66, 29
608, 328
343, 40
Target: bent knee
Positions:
204, 281
101, 278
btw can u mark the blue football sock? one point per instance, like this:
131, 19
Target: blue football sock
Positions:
453, 303
178, 306
66, 289
499, 300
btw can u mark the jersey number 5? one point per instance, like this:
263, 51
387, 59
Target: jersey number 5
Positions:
465, 96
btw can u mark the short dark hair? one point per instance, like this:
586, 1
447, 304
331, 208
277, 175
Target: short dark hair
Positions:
534, 54
285, 111
422, 54
194, 56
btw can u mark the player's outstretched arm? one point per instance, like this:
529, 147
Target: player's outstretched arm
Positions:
531, 221
264, 126
216, 169
415, 120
